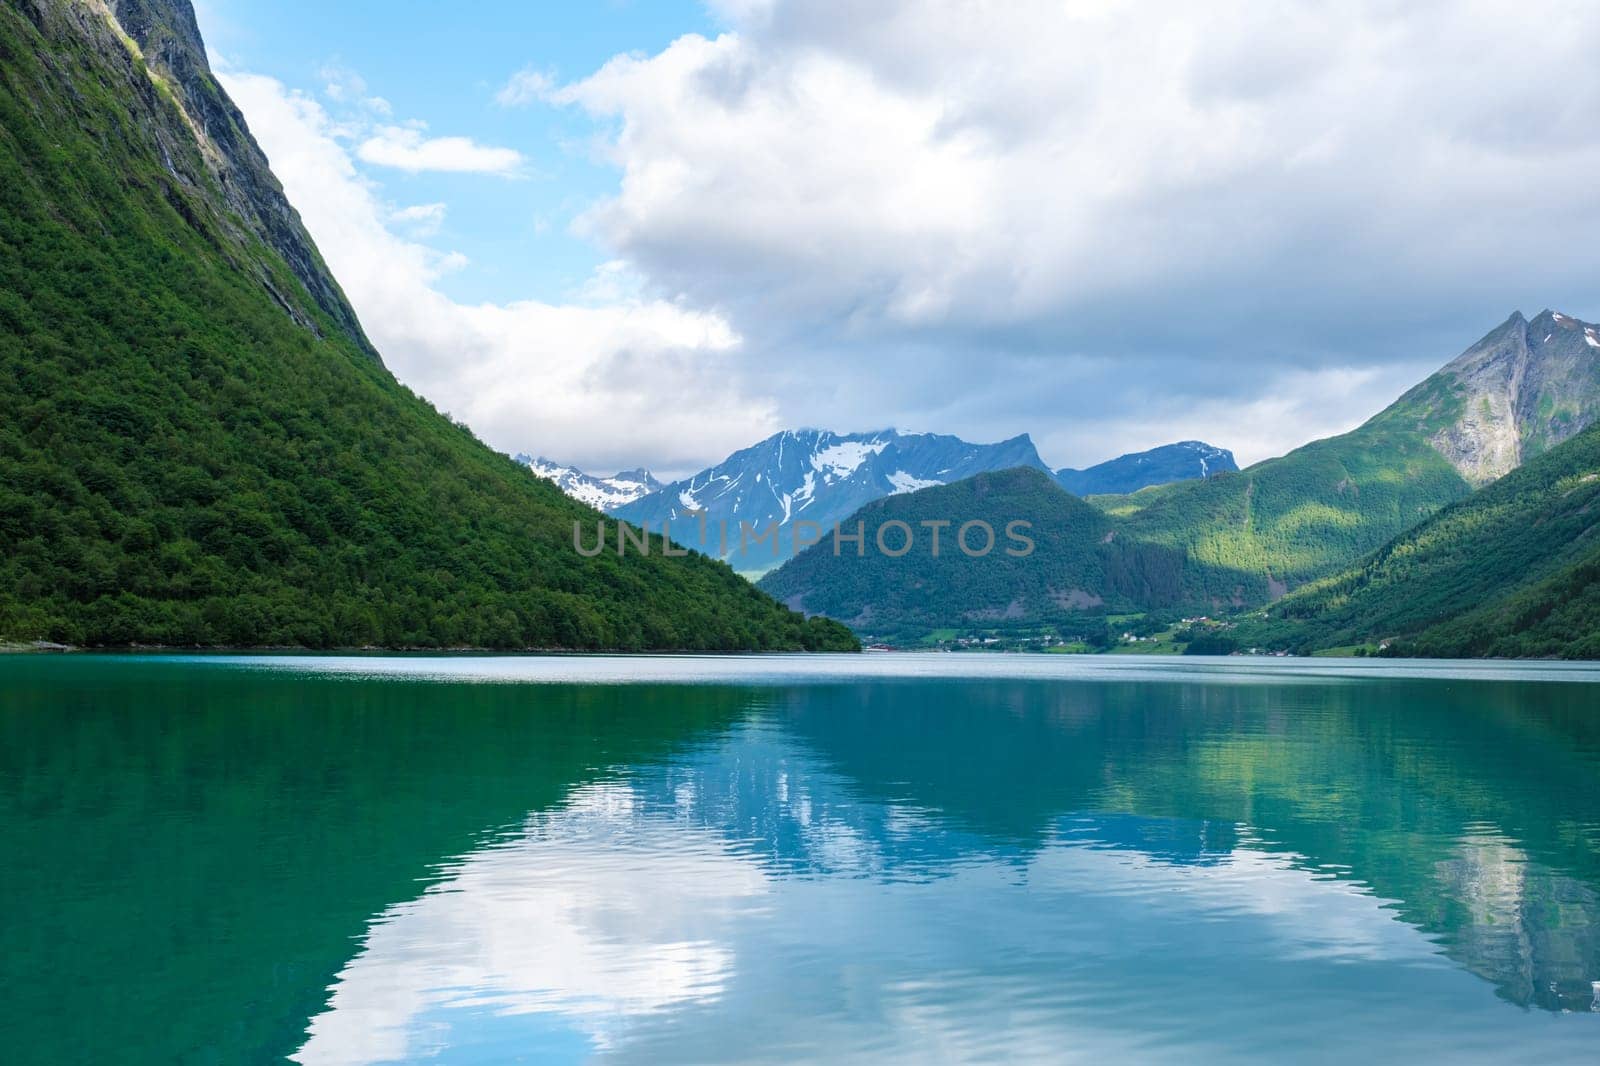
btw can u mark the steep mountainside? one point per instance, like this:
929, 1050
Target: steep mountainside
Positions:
196, 443
1513, 570
1183, 461
1286, 521
1307, 514
163, 35
814, 476
602, 493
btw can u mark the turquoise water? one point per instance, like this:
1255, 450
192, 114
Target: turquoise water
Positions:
870, 858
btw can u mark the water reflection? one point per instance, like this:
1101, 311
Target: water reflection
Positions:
599, 912
926, 873
360, 863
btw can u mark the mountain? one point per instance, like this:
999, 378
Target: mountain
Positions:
1246, 539
1183, 461
822, 477
602, 493
1521, 390
1281, 523
811, 475
1065, 563
165, 39
1513, 570
197, 443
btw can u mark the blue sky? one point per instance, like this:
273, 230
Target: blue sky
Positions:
631, 234
443, 64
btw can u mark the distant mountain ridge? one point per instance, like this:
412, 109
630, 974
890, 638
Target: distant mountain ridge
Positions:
601, 493
1246, 539
1183, 461
820, 476
1076, 567
814, 475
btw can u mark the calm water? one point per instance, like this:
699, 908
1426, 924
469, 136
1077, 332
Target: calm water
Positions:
892, 858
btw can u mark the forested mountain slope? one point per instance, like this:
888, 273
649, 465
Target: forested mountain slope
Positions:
1064, 558
1512, 571
1524, 387
197, 445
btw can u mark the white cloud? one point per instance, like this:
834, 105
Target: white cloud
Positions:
346, 86
601, 384
422, 220
525, 87
1294, 406
406, 148
1204, 198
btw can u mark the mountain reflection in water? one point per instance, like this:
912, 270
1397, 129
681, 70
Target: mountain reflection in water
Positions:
1162, 865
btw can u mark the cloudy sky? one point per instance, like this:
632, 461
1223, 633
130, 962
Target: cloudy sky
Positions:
651, 233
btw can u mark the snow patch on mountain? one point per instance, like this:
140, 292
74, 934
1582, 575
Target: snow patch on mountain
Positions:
845, 458
904, 482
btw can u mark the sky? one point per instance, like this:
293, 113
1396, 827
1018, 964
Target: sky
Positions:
629, 233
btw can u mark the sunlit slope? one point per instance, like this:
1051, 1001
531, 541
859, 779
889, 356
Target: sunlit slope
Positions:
1249, 537
1512, 571
1523, 388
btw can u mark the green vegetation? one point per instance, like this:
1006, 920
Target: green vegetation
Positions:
193, 452
1507, 572
1077, 571
1236, 540
1512, 571
1246, 538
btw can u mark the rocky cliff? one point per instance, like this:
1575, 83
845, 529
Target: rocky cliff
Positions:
1524, 388
226, 189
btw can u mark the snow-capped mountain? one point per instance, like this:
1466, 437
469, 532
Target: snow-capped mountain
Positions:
604, 493
816, 476
1183, 461
819, 476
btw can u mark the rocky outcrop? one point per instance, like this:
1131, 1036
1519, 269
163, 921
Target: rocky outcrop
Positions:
1521, 390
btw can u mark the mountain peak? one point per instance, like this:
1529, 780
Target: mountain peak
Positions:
1526, 386
601, 493
1184, 461
816, 475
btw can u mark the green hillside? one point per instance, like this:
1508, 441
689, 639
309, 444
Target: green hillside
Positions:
1523, 388
1512, 571
196, 444
1285, 521
1233, 541
1078, 569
